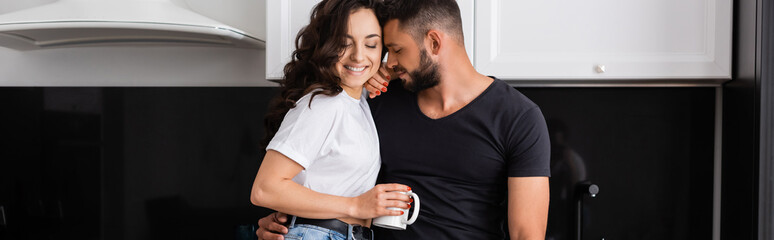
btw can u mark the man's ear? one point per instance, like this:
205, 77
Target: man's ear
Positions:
434, 41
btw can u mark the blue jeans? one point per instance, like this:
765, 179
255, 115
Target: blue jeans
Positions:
312, 232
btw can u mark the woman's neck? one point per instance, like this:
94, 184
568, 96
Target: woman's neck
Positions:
353, 92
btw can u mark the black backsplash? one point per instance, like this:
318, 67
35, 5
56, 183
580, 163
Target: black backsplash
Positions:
178, 163
650, 151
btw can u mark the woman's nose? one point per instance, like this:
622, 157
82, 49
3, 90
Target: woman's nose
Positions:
357, 54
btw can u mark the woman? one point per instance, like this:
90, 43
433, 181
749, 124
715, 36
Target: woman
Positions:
323, 156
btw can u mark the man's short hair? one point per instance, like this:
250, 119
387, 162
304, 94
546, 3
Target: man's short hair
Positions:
417, 17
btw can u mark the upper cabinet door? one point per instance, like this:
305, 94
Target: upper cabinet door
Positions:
284, 18
553, 40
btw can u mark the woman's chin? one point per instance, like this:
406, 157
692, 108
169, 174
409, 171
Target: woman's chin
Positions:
355, 81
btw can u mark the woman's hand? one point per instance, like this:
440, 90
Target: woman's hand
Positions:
375, 202
377, 84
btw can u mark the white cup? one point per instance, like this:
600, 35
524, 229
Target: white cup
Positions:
399, 222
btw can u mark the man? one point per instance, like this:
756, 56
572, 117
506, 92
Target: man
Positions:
474, 149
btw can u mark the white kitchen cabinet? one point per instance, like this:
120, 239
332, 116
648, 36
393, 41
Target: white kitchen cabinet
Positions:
595, 42
544, 42
285, 18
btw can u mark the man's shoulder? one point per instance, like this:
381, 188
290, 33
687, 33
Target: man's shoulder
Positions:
507, 98
396, 92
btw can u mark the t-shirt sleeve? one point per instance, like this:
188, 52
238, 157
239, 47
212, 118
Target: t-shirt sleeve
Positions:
529, 147
305, 129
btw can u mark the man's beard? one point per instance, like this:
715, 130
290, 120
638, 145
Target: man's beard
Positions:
424, 77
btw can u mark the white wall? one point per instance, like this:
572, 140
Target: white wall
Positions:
134, 66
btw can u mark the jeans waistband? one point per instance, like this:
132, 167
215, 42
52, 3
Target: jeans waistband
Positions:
351, 231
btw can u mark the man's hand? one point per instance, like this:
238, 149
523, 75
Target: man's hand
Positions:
272, 227
377, 84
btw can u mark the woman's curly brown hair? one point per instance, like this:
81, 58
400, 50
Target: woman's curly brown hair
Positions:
319, 46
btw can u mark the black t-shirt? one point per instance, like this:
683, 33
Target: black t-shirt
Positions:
459, 164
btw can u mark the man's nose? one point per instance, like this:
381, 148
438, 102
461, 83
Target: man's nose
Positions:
391, 61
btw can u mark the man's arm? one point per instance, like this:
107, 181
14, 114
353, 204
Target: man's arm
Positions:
527, 207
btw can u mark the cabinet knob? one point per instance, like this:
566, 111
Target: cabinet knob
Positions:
600, 68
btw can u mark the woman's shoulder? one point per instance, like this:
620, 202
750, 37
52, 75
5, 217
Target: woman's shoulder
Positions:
318, 104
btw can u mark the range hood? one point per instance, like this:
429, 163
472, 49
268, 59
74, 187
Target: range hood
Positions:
71, 23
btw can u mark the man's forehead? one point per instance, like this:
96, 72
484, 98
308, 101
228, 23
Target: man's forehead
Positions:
392, 25
392, 32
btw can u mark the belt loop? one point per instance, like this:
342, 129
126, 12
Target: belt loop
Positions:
372, 234
292, 222
349, 232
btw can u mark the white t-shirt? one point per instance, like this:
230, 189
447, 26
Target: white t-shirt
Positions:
334, 140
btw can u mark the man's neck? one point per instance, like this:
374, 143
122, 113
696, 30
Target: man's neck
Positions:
458, 86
